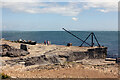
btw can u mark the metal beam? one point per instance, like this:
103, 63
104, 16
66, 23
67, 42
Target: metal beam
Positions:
96, 40
76, 37
92, 43
85, 39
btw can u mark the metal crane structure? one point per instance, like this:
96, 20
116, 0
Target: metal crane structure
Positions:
84, 41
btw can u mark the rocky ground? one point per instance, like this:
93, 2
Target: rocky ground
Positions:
44, 62
68, 70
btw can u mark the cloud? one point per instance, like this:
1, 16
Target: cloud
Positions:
102, 6
75, 19
68, 9
60, 0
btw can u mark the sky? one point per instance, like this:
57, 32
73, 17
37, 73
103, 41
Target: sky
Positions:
53, 16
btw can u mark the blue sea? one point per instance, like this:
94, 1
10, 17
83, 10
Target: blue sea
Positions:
105, 38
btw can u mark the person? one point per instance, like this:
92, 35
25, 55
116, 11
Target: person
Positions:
45, 42
48, 42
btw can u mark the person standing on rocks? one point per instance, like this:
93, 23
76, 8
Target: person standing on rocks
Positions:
48, 42
45, 42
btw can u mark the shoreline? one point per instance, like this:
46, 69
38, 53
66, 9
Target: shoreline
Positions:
114, 56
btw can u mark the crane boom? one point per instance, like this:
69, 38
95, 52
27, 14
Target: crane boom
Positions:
76, 36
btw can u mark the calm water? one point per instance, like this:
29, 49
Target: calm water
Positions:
106, 38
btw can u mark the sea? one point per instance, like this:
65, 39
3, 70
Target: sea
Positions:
105, 38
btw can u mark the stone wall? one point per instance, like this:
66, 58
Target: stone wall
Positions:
96, 53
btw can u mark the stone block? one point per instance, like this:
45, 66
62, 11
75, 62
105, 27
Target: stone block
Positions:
23, 47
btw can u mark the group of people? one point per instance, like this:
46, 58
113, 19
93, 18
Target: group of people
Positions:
47, 42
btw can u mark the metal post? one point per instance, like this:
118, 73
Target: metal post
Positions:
96, 40
92, 40
85, 39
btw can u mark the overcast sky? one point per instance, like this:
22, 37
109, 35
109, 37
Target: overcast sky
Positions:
53, 16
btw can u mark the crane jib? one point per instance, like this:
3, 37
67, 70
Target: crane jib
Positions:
76, 36
84, 41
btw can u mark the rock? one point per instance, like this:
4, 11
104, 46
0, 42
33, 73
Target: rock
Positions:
110, 59
69, 44
20, 40
12, 52
23, 46
13, 77
117, 60
22, 63
41, 60
38, 60
33, 42
16, 53
26, 42
29, 41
